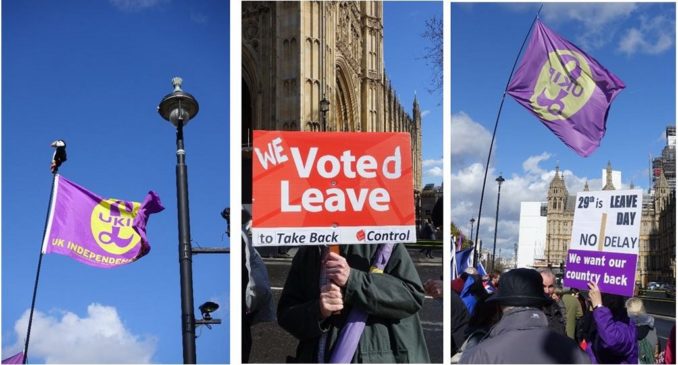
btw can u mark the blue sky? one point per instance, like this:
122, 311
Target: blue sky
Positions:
404, 48
92, 73
633, 40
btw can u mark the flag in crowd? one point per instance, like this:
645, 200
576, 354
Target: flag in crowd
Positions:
463, 259
481, 269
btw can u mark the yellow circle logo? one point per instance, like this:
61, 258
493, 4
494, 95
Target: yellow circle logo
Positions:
564, 86
111, 224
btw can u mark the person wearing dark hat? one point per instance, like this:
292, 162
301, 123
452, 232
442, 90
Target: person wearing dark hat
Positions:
522, 334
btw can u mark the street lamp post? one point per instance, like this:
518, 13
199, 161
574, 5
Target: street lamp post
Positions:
473, 220
473, 244
324, 108
178, 108
499, 180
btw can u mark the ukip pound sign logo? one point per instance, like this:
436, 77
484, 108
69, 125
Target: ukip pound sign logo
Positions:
111, 223
563, 87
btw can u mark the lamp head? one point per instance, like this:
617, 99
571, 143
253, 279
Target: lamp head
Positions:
500, 180
179, 106
324, 105
207, 308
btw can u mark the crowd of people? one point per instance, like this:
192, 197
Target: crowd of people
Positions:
366, 309
522, 316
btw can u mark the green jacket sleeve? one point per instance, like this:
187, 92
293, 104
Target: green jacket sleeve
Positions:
299, 305
395, 294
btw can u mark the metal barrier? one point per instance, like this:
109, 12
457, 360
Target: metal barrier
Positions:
660, 306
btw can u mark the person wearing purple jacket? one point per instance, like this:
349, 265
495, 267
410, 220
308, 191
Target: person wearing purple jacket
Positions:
614, 341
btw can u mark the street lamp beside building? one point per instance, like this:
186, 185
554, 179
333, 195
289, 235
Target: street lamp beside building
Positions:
499, 181
473, 220
324, 108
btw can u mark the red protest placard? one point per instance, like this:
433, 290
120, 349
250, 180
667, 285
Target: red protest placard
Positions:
332, 188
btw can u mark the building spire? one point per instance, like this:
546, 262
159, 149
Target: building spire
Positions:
586, 185
608, 177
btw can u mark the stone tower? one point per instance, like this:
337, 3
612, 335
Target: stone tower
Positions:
319, 66
559, 220
608, 177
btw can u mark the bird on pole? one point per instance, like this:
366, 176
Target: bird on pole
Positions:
59, 154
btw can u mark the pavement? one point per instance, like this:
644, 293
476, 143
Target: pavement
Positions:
272, 344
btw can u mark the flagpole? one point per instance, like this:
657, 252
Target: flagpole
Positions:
37, 273
494, 133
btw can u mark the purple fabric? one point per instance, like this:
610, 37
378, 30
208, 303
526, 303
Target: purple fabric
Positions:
16, 359
99, 232
615, 341
569, 91
348, 339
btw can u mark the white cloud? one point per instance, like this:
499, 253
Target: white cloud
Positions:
530, 184
434, 172
99, 337
600, 24
599, 21
653, 36
531, 165
425, 113
470, 140
136, 5
429, 163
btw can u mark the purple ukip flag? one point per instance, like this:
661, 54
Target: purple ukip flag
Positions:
99, 232
568, 90
16, 359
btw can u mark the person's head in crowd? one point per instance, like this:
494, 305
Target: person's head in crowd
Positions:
520, 288
471, 271
560, 291
549, 281
494, 277
635, 307
477, 289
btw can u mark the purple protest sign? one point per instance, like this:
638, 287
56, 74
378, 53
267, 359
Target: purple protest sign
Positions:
568, 90
614, 272
605, 240
99, 232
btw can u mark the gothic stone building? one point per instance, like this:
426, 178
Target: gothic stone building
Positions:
319, 66
656, 259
